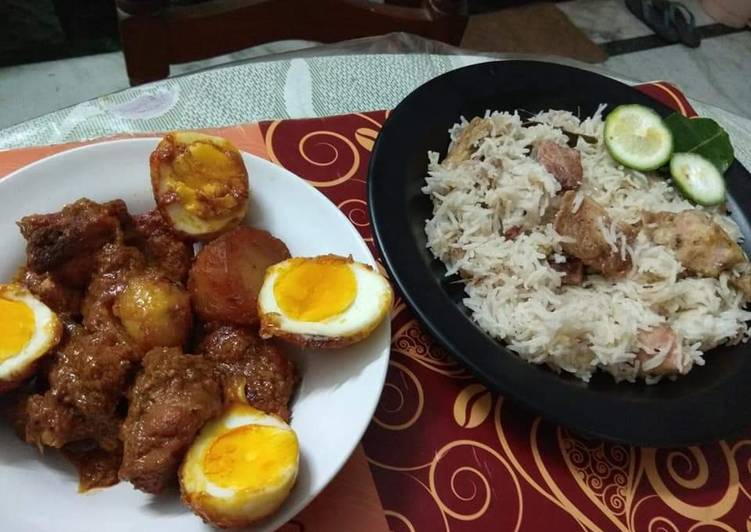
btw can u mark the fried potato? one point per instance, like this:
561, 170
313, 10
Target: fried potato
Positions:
154, 311
228, 272
200, 184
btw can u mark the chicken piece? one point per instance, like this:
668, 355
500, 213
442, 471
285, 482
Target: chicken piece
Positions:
62, 250
572, 270
76, 272
702, 246
253, 370
585, 226
742, 283
61, 298
173, 396
462, 149
161, 246
512, 232
46, 421
654, 342
87, 380
96, 467
563, 162
80, 228
13, 410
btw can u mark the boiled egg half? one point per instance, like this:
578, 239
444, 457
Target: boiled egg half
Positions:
28, 330
240, 468
200, 183
325, 301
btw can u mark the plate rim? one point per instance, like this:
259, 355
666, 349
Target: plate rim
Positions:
275, 519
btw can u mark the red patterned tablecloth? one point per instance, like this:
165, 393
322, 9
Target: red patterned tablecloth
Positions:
445, 453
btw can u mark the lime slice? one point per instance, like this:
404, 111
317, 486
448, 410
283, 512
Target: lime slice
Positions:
697, 178
637, 137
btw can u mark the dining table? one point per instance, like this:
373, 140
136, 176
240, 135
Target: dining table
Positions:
443, 451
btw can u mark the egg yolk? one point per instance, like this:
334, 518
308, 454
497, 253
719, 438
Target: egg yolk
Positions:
313, 290
16, 327
203, 179
250, 457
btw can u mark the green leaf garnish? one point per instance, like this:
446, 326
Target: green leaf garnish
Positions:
702, 136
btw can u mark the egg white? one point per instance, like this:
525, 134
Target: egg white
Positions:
47, 333
191, 224
228, 506
372, 302
181, 218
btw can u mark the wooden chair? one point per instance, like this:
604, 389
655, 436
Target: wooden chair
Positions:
158, 33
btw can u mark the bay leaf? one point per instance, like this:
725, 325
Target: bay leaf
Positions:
702, 136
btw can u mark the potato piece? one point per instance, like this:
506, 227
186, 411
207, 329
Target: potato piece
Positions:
154, 311
200, 184
227, 275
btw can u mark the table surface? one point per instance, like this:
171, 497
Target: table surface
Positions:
361, 75
377, 74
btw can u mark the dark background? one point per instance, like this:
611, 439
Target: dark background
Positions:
43, 30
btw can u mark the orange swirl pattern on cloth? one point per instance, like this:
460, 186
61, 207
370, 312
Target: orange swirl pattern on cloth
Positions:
447, 454
401, 398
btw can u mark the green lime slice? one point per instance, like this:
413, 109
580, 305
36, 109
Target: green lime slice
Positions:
637, 137
697, 178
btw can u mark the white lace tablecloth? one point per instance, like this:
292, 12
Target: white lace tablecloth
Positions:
366, 75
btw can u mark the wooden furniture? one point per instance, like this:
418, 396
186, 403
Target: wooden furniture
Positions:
158, 33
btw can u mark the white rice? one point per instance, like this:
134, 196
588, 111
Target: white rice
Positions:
516, 296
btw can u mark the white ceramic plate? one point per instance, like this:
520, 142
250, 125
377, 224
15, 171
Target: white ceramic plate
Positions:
333, 405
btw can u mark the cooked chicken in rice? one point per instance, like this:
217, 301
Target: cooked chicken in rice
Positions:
586, 224
588, 265
742, 282
572, 270
659, 352
173, 396
562, 162
464, 146
701, 245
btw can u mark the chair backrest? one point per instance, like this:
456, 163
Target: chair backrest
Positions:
157, 33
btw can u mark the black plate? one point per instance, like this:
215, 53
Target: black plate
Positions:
709, 403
